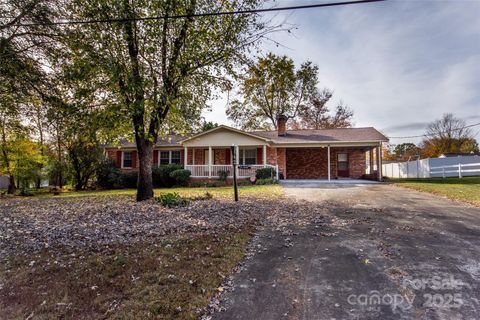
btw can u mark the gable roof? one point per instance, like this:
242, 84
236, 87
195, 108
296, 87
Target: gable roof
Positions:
367, 134
224, 127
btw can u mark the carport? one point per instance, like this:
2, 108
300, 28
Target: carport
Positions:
333, 162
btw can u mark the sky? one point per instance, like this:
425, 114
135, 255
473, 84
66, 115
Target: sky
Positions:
398, 64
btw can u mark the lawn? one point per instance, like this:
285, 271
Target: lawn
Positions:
261, 191
172, 278
466, 189
100, 254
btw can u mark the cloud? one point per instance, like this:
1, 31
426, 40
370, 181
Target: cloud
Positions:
398, 64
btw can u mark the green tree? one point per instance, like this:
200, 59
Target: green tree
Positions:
272, 87
160, 73
407, 150
317, 115
208, 125
448, 135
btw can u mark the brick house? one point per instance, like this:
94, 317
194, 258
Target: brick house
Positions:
295, 154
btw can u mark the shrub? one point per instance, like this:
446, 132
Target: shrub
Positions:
181, 176
170, 200
265, 173
162, 175
108, 176
206, 196
129, 179
222, 175
24, 192
266, 181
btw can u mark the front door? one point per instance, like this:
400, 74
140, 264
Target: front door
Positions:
342, 165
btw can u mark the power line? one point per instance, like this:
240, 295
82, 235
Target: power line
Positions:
184, 16
426, 135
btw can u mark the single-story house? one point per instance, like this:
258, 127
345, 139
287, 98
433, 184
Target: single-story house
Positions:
295, 154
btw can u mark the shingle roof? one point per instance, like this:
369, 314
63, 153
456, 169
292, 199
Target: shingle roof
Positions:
369, 134
171, 140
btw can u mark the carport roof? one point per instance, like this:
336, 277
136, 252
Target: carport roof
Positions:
367, 134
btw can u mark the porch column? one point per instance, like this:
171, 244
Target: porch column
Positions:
185, 158
264, 155
379, 162
328, 161
370, 159
209, 161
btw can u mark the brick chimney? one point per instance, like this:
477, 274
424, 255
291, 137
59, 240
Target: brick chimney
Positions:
282, 125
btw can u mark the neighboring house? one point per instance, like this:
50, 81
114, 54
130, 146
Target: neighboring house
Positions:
296, 154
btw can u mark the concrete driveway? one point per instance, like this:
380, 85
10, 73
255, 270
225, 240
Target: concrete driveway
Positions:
380, 252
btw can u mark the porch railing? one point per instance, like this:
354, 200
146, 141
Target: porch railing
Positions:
244, 171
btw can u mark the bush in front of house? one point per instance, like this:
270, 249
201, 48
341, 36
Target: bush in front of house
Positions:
162, 177
109, 176
223, 175
181, 177
266, 181
129, 179
265, 173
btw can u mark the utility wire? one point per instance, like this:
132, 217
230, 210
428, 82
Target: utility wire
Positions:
184, 16
426, 135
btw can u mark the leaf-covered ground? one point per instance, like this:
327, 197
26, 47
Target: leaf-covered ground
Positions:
111, 257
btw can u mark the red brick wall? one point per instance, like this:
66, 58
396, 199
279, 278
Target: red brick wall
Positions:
282, 161
312, 163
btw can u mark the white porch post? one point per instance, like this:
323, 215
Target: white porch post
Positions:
185, 158
264, 155
379, 161
328, 161
209, 161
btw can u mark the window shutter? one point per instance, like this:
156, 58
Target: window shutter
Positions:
155, 158
227, 157
134, 159
118, 160
259, 156
182, 156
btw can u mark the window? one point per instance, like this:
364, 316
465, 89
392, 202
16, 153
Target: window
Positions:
248, 156
164, 157
175, 157
167, 157
127, 160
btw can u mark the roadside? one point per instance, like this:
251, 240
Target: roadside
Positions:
373, 252
465, 189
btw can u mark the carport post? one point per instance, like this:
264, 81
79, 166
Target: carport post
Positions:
328, 161
379, 160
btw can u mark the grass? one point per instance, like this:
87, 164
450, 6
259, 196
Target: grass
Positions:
174, 278
466, 189
217, 192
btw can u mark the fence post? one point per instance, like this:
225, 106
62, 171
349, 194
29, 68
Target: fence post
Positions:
443, 172
459, 170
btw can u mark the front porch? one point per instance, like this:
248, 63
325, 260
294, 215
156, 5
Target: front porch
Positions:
210, 162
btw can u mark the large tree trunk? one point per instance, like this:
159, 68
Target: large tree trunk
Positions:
144, 182
11, 185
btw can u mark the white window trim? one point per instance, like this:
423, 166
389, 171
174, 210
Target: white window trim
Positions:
123, 167
242, 156
169, 156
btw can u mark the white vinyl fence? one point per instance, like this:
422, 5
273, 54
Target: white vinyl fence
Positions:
460, 166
